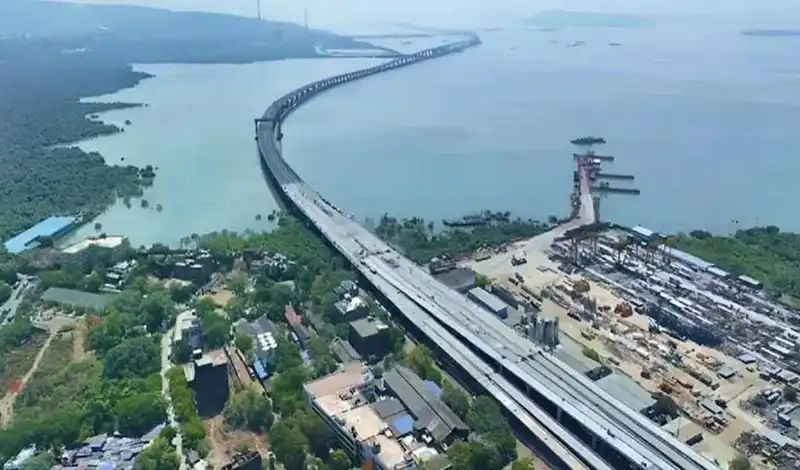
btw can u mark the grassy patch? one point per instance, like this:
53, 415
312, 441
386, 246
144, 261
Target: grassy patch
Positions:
16, 362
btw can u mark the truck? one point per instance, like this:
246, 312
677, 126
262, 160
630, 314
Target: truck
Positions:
518, 260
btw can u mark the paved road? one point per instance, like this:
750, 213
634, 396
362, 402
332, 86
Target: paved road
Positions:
11, 306
166, 364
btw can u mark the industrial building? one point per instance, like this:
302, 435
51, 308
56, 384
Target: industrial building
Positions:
428, 417
489, 302
459, 279
78, 299
371, 427
189, 329
624, 389
208, 376
644, 234
352, 308
583, 364
101, 242
344, 351
265, 335
750, 282
52, 227
370, 337
685, 430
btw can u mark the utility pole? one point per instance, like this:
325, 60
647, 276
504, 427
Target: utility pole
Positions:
305, 17
258, 9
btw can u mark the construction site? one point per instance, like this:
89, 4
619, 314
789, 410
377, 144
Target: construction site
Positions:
712, 342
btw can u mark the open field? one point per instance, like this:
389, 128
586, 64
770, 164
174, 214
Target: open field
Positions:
226, 442
17, 362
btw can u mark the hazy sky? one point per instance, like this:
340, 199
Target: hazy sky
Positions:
376, 15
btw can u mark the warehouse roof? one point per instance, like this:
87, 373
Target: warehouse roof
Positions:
429, 411
755, 283
459, 279
488, 300
645, 233
579, 362
46, 228
626, 391
687, 258
719, 272
77, 298
367, 327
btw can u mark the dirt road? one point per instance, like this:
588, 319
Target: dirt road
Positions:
7, 403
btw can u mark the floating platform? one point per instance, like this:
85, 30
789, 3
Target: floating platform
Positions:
613, 190
602, 158
614, 176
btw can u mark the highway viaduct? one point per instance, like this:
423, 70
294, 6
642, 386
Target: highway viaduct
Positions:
579, 425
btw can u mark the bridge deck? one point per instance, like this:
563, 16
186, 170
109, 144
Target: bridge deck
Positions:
444, 311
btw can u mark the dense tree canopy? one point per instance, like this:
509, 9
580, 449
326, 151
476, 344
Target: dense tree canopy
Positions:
763, 253
159, 455
420, 241
249, 409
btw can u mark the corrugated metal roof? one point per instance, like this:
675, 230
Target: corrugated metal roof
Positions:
402, 425
488, 300
719, 272
578, 362
686, 257
388, 408
433, 388
45, 228
430, 412
626, 391
749, 280
643, 232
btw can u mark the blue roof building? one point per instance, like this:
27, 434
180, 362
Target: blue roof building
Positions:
50, 227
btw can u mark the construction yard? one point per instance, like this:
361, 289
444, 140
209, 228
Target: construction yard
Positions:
706, 384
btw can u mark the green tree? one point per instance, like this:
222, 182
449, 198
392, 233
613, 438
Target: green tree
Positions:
181, 352
591, 353
139, 413
5, 291
249, 409
456, 399
289, 445
238, 284
740, 462
92, 282
159, 455
287, 389
338, 460
244, 343
420, 360
134, 357
522, 464
180, 293
287, 356
217, 330
40, 461
790, 393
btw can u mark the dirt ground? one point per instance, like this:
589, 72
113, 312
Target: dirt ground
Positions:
226, 442
539, 272
221, 297
55, 325
79, 337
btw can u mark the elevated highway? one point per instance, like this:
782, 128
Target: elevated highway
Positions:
579, 424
